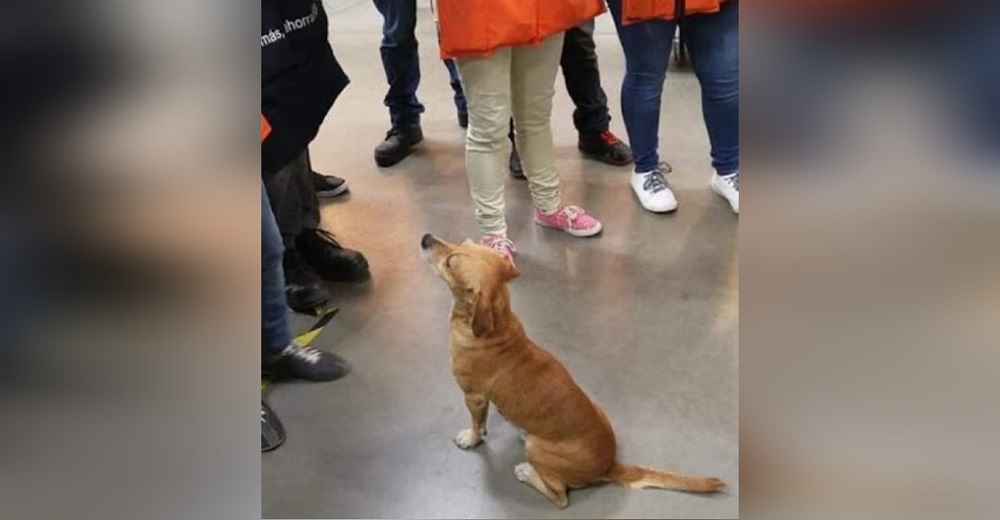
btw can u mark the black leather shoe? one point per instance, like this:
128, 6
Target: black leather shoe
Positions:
398, 144
304, 290
329, 259
514, 164
328, 185
605, 147
272, 433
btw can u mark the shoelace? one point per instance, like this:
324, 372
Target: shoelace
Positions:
572, 212
654, 182
327, 236
734, 181
307, 354
502, 245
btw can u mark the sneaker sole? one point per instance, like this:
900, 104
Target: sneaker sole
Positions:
577, 233
342, 189
651, 210
718, 192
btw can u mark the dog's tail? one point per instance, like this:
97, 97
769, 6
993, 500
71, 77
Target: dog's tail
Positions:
638, 477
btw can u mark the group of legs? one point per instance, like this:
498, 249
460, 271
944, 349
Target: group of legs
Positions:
508, 95
505, 96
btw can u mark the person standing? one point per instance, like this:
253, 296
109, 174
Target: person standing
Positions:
646, 31
510, 70
402, 71
300, 80
591, 116
279, 355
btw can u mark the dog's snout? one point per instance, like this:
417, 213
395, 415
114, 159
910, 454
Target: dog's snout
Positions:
427, 241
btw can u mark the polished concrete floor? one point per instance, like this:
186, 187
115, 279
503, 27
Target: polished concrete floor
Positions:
646, 316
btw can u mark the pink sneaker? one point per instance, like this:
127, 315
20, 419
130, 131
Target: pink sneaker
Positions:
571, 219
501, 245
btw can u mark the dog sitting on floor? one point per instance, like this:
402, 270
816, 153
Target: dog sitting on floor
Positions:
569, 442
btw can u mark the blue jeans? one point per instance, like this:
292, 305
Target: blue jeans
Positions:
713, 43
401, 63
274, 332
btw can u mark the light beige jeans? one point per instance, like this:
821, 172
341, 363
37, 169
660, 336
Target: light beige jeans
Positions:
518, 81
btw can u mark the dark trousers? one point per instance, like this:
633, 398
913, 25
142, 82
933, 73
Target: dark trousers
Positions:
293, 198
583, 80
402, 65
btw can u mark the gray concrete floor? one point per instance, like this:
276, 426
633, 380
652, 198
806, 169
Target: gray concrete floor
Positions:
646, 316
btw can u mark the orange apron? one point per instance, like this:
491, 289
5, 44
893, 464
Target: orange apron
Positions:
478, 27
638, 10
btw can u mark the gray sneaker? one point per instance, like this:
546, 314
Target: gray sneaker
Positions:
295, 362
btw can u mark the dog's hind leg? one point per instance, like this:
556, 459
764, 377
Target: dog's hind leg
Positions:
554, 491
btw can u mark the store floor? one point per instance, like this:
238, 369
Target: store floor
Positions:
646, 316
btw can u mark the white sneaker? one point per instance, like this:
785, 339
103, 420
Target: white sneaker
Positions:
652, 189
729, 188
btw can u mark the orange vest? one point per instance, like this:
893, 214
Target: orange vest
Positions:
265, 128
638, 10
478, 27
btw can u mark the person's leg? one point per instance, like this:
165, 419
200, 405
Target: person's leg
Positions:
456, 85
647, 51
713, 42
275, 335
533, 74
583, 80
280, 357
317, 247
487, 90
647, 48
304, 290
402, 70
400, 60
286, 198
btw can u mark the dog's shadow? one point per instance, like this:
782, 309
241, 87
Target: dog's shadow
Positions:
503, 449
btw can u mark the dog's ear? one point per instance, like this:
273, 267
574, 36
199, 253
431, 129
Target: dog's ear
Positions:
481, 306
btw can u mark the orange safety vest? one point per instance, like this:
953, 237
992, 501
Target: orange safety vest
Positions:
265, 128
638, 10
478, 27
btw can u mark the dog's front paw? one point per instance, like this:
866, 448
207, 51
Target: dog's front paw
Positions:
467, 439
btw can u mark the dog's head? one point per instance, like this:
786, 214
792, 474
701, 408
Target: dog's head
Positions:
476, 275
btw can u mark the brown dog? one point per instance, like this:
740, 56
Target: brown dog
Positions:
569, 442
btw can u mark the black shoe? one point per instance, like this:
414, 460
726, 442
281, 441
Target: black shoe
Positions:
514, 164
304, 290
398, 144
463, 119
306, 363
329, 259
272, 433
328, 185
605, 147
